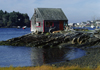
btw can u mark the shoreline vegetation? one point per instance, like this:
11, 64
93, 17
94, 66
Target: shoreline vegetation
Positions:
86, 40
47, 67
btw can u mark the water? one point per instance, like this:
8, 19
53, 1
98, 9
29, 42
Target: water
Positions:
31, 56
74, 53
89, 28
15, 56
8, 33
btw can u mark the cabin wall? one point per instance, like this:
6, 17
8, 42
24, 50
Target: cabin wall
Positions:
40, 28
35, 19
39, 19
58, 24
55, 24
32, 24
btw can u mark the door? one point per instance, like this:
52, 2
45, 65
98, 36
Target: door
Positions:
61, 25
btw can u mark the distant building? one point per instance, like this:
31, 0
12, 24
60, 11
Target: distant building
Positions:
97, 22
70, 24
78, 24
45, 18
88, 22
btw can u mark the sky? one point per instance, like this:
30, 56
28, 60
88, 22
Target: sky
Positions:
75, 10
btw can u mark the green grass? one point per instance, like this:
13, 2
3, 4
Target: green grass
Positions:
47, 67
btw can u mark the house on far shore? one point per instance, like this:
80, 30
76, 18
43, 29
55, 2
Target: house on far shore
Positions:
97, 22
45, 18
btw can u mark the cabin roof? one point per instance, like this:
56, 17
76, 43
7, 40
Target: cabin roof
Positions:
52, 14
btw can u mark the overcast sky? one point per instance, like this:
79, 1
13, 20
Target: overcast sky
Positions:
75, 10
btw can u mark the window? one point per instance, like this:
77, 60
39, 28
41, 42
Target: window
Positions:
38, 24
48, 24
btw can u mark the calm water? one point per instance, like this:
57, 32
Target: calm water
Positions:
30, 56
89, 28
8, 33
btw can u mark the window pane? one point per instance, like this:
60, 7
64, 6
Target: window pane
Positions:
38, 24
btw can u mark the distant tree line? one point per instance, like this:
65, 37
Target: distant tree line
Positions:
13, 19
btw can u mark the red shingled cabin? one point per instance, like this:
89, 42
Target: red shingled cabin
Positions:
44, 18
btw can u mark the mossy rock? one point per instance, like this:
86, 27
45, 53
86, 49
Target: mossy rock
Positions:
47, 33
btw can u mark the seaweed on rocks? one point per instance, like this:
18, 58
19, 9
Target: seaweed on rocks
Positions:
75, 39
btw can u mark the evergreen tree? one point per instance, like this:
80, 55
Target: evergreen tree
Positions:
13, 19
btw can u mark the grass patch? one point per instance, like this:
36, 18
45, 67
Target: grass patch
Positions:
47, 33
47, 67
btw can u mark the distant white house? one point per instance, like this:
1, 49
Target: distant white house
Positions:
92, 21
98, 23
78, 24
70, 24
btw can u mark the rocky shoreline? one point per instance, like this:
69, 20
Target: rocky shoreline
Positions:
78, 39
72, 38
91, 59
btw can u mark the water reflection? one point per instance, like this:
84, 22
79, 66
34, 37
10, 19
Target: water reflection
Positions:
29, 56
54, 55
45, 56
74, 53
36, 56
